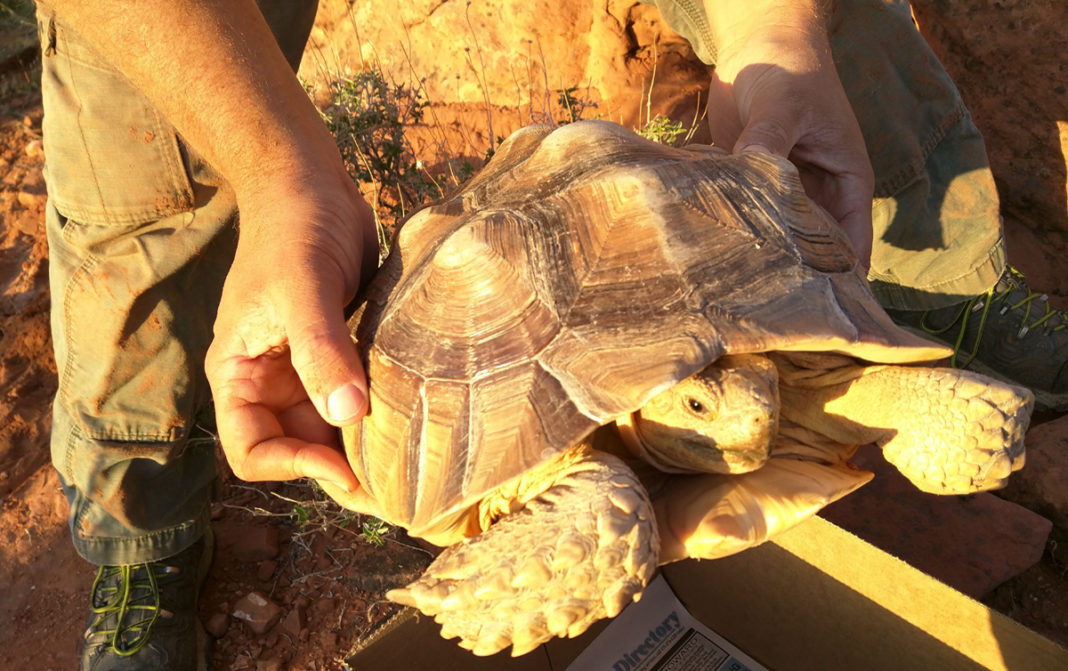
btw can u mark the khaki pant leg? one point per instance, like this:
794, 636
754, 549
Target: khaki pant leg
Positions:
141, 235
137, 254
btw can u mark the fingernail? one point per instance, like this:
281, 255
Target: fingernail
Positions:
756, 147
344, 404
345, 487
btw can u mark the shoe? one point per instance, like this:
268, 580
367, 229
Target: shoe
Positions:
144, 616
1009, 332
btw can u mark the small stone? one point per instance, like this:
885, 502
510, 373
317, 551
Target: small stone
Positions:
217, 624
30, 199
29, 223
294, 621
255, 543
266, 570
257, 611
323, 607
34, 148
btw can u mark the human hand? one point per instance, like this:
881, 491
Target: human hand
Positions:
777, 91
283, 368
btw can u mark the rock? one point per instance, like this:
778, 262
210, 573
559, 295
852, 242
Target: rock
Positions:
34, 148
293, 622
257, 611
1042, 484
266, 570
499, 51
217, 624
972, 543
33, 118
32, 192
29, 223
45, 498
253, 543
322, 607
273, 664
323, 563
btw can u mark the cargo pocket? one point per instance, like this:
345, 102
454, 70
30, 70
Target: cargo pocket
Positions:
133, 267
110, 158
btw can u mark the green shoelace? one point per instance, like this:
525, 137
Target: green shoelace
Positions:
130, 594
1052, 319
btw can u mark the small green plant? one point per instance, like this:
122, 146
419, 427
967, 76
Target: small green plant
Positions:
661, 129
317, 512
573, 106
374, 531
368, 117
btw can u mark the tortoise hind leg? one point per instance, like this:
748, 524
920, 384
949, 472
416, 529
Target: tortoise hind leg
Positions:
576, 552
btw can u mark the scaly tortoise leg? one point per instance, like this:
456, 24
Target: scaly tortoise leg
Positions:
949, 431
577, 552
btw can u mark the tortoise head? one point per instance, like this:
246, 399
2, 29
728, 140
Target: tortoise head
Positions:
721, 419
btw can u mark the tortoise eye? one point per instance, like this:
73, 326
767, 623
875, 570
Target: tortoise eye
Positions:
696, 406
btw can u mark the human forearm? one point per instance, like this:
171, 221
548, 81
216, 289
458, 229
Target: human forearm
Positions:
214, 70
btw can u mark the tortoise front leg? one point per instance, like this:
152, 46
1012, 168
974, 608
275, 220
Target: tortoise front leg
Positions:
711, 516
948, 431
577, 552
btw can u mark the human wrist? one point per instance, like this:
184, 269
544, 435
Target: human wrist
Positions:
791, 34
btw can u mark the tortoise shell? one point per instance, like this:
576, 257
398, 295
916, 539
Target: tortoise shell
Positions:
584, 270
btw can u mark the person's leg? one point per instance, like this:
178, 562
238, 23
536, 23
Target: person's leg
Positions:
938, 259
137, 255
141, 234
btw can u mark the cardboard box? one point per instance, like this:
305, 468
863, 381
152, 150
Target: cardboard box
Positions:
817, 597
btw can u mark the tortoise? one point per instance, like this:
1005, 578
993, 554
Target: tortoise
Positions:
604, 354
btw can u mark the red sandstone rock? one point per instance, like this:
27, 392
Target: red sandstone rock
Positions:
1042, 485
217, 624
972, 543
257, 611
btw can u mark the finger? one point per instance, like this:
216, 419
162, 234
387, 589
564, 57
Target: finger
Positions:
303, 421
358, 500
724, 124
328, 363
767, 133
856, 223
285, 458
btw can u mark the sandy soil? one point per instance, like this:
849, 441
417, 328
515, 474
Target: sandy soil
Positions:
326, 580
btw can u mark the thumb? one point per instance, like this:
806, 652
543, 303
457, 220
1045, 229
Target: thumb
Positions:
766, 134
329, 366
